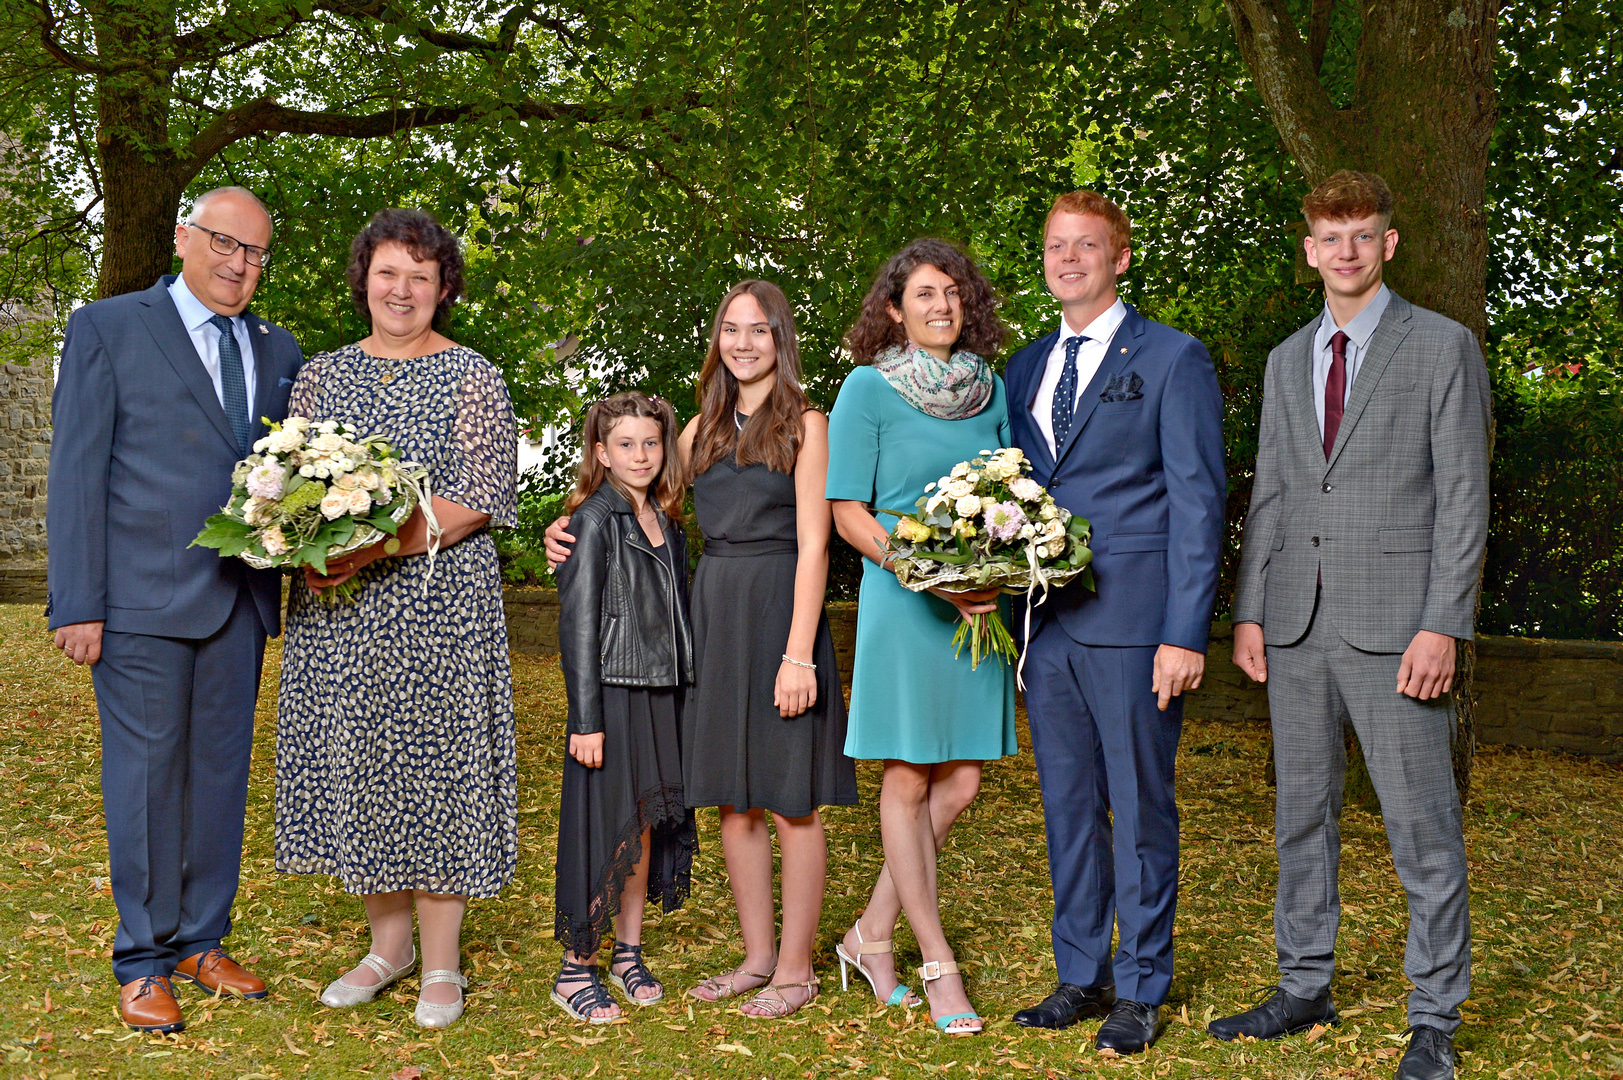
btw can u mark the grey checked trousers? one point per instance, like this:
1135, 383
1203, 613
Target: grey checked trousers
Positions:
1315, 687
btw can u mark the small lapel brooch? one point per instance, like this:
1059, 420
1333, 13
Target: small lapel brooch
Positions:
263, 329
1126, 387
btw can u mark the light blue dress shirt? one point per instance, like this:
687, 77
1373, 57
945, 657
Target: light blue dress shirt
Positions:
1358, 331
206, 339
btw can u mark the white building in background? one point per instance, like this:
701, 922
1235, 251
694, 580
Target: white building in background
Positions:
531, 452
542, 440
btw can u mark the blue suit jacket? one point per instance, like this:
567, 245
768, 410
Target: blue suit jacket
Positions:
1146, 469
141, 455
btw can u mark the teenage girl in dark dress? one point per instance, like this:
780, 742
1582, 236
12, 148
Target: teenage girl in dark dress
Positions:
764, 727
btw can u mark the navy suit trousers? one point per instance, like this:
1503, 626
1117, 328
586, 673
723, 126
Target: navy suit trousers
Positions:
177, 730
1104, 750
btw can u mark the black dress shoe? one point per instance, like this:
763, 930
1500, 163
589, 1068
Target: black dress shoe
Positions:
1430, 1055
1130, 1027
1282, 1014
1068, 1004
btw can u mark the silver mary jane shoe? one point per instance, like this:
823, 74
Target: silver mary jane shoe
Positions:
432, 1015
341, 995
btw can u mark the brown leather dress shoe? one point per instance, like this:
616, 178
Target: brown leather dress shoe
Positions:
217, 973
148, 1004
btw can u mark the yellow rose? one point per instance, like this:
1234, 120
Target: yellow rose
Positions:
912, 531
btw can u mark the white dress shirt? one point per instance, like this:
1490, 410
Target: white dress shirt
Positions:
1358, 331
1089, 356
206, 339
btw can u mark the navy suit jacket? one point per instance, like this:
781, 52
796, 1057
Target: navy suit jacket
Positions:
141, 455
1145, 467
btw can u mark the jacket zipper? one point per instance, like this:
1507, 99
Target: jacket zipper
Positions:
676, 648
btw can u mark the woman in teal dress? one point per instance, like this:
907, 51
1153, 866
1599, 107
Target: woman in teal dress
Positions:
921, 399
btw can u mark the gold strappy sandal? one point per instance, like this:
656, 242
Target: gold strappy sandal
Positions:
722, 985
776, 1006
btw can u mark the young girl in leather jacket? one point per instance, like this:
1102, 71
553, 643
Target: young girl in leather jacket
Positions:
624, 833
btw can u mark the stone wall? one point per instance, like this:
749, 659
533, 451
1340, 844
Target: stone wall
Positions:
1552, 695
25, 448
1549, 695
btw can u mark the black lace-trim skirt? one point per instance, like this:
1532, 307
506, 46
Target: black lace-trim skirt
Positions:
605, 811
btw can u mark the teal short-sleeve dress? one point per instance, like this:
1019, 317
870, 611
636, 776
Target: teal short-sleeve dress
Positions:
911, 699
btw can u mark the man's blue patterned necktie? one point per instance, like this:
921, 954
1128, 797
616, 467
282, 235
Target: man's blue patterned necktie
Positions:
233, 387
1065, 393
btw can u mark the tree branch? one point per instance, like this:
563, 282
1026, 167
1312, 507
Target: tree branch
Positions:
67, 58
1318, 33
216, 39
266, 116
1307, 120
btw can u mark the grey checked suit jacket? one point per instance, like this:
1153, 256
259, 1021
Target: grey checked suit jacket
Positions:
1396, 521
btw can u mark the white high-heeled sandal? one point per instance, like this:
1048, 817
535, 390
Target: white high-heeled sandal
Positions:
899, 995
431, 1014
341, 995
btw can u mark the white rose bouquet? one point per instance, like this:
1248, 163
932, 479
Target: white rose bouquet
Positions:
311, 492
989, 525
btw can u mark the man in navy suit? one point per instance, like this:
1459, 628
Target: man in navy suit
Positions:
159, 394
1123, 422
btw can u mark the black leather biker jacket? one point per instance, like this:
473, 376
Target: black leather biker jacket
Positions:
622, 614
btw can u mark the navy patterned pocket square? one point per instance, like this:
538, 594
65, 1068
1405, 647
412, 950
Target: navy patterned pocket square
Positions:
1123, 388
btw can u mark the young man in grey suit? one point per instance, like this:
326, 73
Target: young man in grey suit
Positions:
1362, 554
158, 396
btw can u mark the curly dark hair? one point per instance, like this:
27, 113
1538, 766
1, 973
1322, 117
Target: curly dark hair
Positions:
983, 332
420, 234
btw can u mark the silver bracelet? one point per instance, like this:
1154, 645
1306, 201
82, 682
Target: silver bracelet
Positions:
787, 659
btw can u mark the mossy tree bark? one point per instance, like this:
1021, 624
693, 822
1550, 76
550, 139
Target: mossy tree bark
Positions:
1420, 113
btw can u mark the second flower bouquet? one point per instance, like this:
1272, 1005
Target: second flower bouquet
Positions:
312, 492
988, 525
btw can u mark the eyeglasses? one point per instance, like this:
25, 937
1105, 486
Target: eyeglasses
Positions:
228, 245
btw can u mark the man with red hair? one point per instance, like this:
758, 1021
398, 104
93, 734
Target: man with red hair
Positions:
1359, 571
1123, 422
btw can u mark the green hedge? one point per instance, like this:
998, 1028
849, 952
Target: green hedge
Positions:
1555, 539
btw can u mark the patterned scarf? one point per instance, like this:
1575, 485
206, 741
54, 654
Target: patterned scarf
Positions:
952, 389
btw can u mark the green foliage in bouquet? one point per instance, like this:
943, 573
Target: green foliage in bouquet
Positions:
313, 492
987, 525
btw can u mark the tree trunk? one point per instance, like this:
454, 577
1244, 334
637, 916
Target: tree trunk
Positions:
1421, 114
141, 175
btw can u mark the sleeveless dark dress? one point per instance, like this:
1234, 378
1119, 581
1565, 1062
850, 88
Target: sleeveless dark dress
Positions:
738, 751
604, 812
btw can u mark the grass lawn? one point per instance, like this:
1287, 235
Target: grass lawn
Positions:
1542, 831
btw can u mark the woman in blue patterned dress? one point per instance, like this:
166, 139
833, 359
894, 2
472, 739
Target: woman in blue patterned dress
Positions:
921, 400
395, 763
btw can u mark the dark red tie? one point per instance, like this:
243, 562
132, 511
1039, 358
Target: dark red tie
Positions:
1335, 390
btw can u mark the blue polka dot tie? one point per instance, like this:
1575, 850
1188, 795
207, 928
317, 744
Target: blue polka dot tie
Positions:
1065, 393
233, 386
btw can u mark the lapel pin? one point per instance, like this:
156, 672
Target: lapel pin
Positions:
263, 329
1123, 348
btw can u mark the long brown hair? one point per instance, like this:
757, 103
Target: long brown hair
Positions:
668, 488
982, 333
771, 436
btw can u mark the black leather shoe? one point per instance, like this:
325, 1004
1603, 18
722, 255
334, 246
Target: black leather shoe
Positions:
1130, 1027
1430, 1055
1282, 1014
1068, 1004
